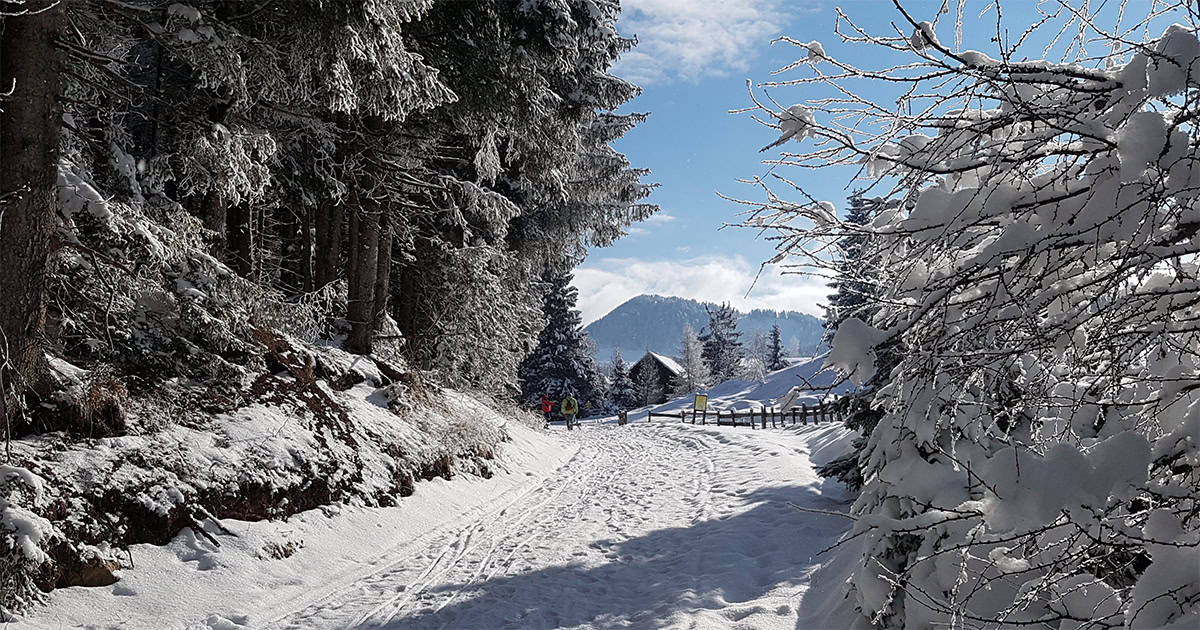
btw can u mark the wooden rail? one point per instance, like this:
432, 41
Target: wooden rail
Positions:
831, 411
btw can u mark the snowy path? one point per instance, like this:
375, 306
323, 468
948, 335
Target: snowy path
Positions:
648, 525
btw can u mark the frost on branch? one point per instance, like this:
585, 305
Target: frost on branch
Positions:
1037, 458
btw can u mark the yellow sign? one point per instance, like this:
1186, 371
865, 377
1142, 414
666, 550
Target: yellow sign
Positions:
701, 402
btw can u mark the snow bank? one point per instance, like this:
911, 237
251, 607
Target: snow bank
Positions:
284, 443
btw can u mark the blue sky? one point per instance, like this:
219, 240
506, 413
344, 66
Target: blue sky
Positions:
693, 60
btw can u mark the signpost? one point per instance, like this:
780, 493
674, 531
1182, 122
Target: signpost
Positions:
701, 405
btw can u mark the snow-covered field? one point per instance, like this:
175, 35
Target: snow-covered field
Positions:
646, 525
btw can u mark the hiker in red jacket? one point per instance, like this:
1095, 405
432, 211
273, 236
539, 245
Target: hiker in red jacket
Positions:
547, 407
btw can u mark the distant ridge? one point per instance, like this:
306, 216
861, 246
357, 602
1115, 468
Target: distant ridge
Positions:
655, 322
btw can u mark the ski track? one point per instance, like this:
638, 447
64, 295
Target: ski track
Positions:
553, 555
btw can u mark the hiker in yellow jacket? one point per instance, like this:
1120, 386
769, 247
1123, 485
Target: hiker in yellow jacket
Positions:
570, 407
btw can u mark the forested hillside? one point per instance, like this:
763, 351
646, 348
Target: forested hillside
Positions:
655, 322
196, 196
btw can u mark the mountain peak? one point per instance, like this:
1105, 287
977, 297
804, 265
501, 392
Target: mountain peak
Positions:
650, 322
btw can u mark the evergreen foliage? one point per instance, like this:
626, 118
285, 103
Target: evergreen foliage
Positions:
775, 360
722, 344
311, 161
855, 295
621, 393
200, 177
561, 364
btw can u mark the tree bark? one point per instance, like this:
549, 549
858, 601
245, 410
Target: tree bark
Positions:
364, 260
291, 222
215, 220
383, 271
241, 239
329, 244
306, 250
30, 126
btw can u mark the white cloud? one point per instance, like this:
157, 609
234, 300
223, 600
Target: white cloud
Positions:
688, 39
609, 282
660, 217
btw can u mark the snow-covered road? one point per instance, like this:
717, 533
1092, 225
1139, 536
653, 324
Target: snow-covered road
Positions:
646, 525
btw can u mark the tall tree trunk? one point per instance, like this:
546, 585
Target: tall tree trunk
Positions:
329, 244
215, 220
383, 270
241, 239
306, 250
403, 311
30, 125
364, 259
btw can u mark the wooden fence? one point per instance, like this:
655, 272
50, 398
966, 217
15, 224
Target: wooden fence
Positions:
829, 411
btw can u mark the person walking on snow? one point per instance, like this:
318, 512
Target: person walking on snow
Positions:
570, 407
547, 407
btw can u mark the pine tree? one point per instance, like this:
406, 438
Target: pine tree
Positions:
856, 297
696, 375
561, 364
722, 344
621, 391
31, 70
852, 291
775, 359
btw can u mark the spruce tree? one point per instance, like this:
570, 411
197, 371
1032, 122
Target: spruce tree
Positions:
621, 392
852, 291
31, 72
561, 364
722, 343
855, 296
775, 359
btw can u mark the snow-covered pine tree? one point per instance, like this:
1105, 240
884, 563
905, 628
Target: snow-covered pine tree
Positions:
722, 343
857, 295
1036, 463
647, 384
561, 364
852, 290
696, 376
231, 172
775, 359
523, 177
621, 392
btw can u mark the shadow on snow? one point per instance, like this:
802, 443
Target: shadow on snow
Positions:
715, 567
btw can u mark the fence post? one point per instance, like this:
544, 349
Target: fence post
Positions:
804, 414
703, 416
772, 417
793, 416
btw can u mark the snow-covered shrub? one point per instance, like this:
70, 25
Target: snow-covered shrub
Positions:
1037, 457
23, 539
